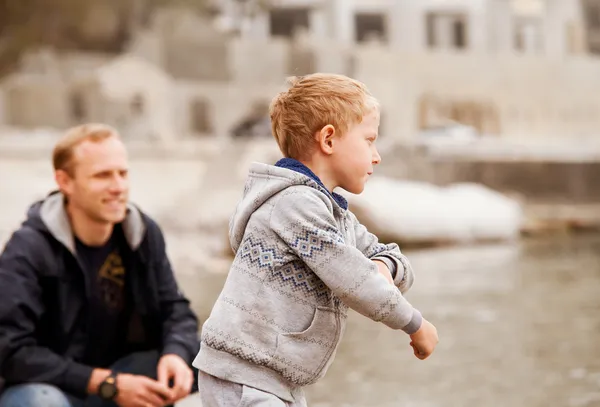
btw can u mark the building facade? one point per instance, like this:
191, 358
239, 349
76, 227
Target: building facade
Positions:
505, 68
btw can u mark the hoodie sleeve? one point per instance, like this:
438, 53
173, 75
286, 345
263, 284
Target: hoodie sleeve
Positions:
302, 219
22, 359
179, 323
390, 254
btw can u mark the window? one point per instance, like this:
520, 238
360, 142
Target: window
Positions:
77, 107
382, 119
591, 12
370, 26
527, 35
255, 123
459, 39
285, 21
137, 105
447, 31
201, 116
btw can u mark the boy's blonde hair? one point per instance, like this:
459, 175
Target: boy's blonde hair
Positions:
62, 156
311, 103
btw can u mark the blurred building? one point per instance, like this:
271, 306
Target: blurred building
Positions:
551, 27
509, 68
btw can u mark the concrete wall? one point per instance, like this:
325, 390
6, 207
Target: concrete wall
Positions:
547, 182
537, 181
563, 28
200, 60
34, 101
227, 103
511, 95
533, 97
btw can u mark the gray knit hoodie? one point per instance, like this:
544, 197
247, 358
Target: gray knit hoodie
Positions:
301, 259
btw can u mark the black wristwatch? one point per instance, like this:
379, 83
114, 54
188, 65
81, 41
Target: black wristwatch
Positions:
108, 388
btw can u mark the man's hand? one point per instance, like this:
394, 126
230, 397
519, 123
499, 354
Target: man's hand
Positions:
424, 340
174, 367
141, 391
97, 377
384, 271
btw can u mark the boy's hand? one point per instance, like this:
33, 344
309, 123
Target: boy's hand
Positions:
424, 340
384, 271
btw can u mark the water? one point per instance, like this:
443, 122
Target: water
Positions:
518, 327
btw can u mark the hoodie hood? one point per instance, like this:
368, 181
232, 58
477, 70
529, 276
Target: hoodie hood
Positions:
265, 181
50, 216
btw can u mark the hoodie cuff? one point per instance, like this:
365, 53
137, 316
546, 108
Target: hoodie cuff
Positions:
415, 322
389, 262
77, 377
178, 349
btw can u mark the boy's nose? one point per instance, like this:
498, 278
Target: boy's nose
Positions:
376, 157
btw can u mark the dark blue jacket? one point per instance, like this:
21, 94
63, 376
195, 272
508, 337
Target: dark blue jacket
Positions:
43, 298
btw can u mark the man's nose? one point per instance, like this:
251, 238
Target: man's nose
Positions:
119, 184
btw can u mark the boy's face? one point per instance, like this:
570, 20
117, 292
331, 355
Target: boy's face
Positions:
355, 154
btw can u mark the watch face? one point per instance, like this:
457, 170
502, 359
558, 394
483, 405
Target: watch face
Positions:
108, 389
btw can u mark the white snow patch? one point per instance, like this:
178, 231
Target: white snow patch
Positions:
421, 212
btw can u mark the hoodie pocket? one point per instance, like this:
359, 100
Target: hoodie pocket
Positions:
303, 357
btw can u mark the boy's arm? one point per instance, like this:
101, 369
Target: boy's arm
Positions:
390, 254
304, 222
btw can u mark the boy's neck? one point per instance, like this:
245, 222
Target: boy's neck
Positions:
322, 171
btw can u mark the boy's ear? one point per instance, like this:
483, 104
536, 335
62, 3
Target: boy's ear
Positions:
325, 138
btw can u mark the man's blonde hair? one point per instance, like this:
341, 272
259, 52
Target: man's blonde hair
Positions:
62, 156
311, 103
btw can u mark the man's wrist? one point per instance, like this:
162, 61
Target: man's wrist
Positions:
108, 388
176, 349
97, 377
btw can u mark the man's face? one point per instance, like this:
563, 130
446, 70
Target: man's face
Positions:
98, 185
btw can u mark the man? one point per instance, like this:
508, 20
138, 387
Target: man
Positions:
90, 312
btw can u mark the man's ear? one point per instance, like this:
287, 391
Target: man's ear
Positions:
325, 138
63, 181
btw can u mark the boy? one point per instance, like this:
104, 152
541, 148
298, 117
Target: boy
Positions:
301, 257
